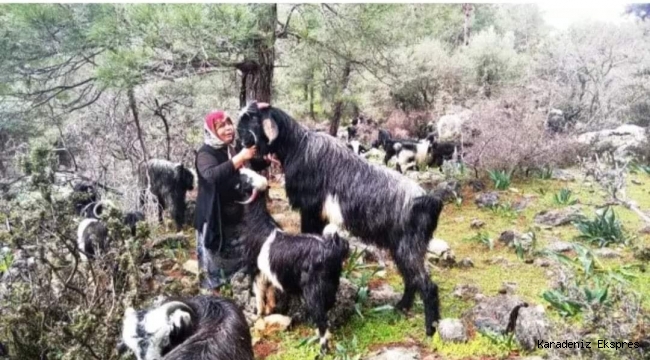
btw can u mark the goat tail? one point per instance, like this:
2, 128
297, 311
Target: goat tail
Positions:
425, 212
335, 242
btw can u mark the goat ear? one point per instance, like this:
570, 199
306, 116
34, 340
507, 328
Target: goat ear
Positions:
270, 129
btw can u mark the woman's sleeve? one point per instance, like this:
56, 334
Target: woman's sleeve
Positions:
214, 172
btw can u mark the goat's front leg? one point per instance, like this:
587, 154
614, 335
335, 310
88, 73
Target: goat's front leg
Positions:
260, 289
270, 300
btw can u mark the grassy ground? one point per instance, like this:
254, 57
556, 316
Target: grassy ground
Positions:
378, 329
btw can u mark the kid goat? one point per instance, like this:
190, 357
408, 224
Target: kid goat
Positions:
304, 264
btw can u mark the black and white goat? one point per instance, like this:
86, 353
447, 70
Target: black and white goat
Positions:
357, 147
92, 234
409, 152
305, 265
327, 183
168, 182
199, 328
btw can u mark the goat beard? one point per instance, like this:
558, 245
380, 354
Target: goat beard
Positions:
250, 199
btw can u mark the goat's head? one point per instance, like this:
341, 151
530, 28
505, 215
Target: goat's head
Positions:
152, 334
185, 177
249, 186
258, 128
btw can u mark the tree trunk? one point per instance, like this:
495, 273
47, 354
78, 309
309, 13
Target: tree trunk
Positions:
338, 105
136, 118
257, 80
160, 112
467, 9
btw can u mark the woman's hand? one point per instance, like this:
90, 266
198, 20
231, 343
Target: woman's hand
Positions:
244, 155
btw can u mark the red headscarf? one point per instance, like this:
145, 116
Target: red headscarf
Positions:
214, 118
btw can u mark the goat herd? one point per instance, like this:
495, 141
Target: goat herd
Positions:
332, 188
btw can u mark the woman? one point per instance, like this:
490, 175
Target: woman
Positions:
217, 165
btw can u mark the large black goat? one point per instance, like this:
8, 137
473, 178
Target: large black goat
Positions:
168, 182
199, 328
328, 183
306, 265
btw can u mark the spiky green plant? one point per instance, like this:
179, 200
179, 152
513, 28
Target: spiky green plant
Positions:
500, 178
563, 197
604, 229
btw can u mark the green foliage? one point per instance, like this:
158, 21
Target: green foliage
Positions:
507, 342
482, 238
500, 178
640, 168
5, 262
563, 197
504, 210
603, 230
563, 304
348, 349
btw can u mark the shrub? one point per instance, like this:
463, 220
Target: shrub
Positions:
511, 138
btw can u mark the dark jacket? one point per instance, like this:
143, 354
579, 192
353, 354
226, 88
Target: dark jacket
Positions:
215, 203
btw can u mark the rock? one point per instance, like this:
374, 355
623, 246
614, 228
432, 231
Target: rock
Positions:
521, 204
642, 253
532, 326
466, 263
452, 330
560, 246
508, 287
558, 217
441, 253
477, 224
397, 353
499, 260
438, 247
477, 185
191, 266
508, 237
606, 253
525, 240
277, 321
383, 295
542, 262
488, 199
645, 230
621, 140
493, 314
465, 291
562, 175
447, 191
636, 182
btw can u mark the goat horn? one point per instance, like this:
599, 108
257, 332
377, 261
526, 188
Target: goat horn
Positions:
254, 137
251, 199
172, 306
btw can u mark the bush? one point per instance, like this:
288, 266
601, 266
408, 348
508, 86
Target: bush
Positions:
403, 125
510, 138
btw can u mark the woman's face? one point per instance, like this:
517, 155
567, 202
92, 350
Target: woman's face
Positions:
225, 131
